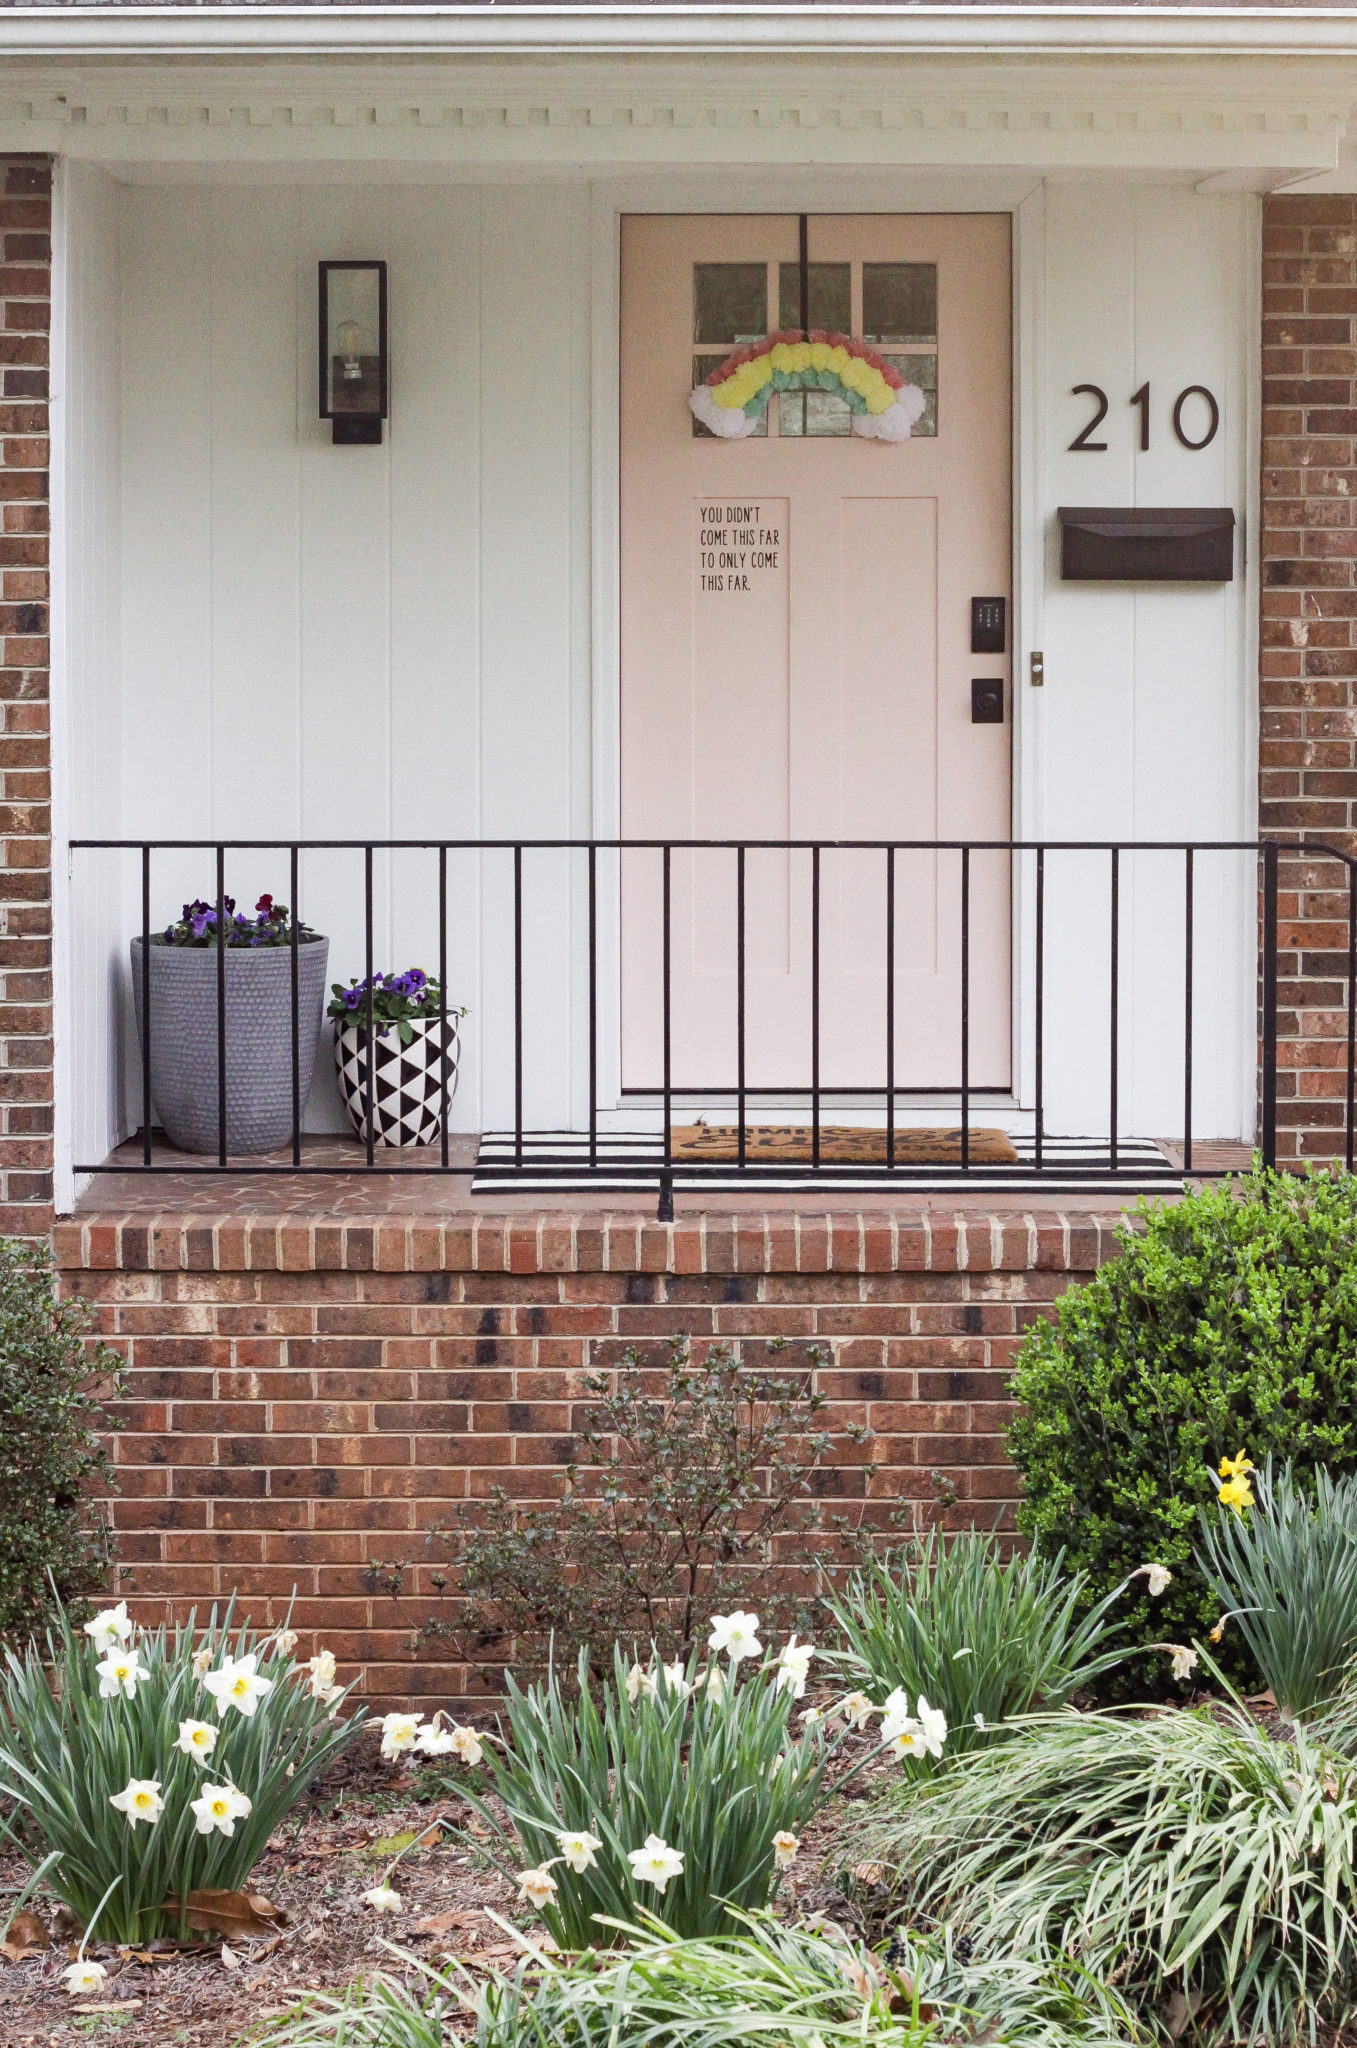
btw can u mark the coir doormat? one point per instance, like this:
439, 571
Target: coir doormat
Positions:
840, 1145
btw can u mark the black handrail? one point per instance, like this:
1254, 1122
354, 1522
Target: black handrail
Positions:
603, 1163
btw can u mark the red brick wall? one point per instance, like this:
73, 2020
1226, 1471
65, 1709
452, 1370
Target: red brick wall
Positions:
303, 1399
1308, 663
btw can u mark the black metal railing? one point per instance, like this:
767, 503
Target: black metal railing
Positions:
595, 1158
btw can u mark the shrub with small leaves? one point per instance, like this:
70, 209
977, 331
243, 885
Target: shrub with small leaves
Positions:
693, 1489
53, 1460
1229, 1319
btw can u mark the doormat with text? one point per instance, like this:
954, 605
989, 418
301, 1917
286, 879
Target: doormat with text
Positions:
840, 1145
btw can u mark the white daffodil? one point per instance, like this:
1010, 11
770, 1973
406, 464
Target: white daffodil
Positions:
321, 1671
382, 1899
467, 1745
641, 1681
106, 1631
435, 1740
856, 1708
219, 1807
238, 1685
904, 1737
399, 1732
1158, 1578
657, 1863
140, 1800
933, 1722
793, 1667
714, 1684
202, 1660
737, 1634
676, 1678
810, 1715
285, 1642
118, 1673
580, 1850
897, 1705
197, 1739
785, 1846
1182, 1661
536, 1887
84, 1976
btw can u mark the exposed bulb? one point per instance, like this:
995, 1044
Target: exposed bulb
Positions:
349, 335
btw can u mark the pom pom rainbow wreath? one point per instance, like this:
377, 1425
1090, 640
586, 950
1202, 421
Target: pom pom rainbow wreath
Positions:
884, 407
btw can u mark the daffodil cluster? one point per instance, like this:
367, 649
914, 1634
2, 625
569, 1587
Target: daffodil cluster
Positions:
1234, 1490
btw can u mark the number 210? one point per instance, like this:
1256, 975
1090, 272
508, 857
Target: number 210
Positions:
1083, 445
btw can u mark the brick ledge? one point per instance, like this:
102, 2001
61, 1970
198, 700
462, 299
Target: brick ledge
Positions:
553, 1241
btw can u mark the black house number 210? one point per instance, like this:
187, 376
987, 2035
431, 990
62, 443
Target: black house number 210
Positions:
1082, 444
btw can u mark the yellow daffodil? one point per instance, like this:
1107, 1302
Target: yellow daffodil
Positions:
1237, 1494
1236, 1467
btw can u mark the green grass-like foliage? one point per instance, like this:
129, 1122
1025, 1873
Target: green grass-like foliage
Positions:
770, 1986
1229, 1320
1286, 1569
715, 1778
64, 1751
975, 1633
1179, 1852
53, 1457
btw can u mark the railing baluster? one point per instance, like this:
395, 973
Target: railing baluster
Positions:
443, 1002
965, 1009
145, 1005
815, 1007
370, 1075
295, 908
1040, 1131
890, 1008
1114, 994
739, 1007
1187, 1011
1269, 1133
593, 1006
518, 1006
221, 1006
665, 1211
1352, 1013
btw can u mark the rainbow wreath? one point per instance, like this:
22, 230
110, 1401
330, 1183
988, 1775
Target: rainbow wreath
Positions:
884, 407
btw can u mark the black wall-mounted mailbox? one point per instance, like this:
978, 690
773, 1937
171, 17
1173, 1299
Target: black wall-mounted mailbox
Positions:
1128, 544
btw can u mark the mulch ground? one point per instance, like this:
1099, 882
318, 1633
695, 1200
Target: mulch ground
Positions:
316, 1868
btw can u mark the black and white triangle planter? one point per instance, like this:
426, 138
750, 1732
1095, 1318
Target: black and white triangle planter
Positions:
407, 1080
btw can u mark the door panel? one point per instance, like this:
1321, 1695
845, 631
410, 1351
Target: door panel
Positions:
796, 654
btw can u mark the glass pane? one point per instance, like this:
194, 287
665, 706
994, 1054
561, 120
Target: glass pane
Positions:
353, 342
730, 302
899, 301
923, 371
818, 415
702, 369
829, 290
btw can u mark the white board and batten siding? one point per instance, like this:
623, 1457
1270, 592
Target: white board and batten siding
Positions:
263, 635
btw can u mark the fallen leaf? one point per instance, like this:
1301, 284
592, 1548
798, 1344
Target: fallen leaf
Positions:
447, 1923
26, 1937
391, 1845
112, 2005
244, 1916
229, 1959
867, 1873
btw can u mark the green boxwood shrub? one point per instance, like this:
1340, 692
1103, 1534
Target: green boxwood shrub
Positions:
1228, 1321
53, 1460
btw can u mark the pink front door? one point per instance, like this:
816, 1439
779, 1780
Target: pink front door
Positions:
796, 655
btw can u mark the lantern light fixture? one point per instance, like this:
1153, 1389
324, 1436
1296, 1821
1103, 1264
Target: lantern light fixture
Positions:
353, 351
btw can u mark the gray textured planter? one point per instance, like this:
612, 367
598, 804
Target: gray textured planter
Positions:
258, 1039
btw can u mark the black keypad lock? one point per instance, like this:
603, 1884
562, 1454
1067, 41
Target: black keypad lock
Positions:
989, 633
987, 701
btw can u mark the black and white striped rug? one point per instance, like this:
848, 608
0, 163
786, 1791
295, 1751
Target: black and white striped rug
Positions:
557, 1162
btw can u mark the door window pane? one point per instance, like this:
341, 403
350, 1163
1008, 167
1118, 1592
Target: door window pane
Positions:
923, 371
730, 303
829, 291
817, 415
702, 369
899, 302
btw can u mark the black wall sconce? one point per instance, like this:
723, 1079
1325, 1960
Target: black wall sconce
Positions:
353, 356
